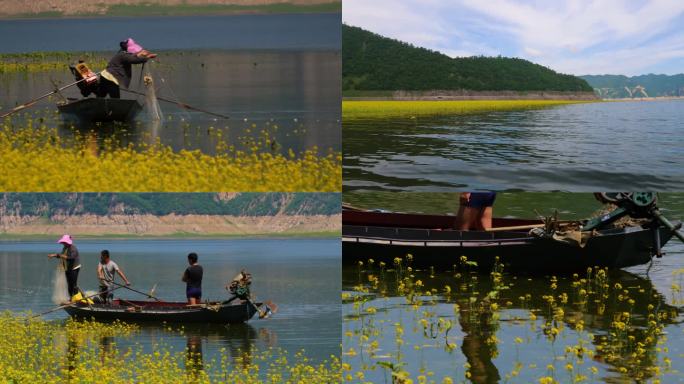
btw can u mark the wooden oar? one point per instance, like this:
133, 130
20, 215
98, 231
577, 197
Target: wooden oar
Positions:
514, 227
73, 303
136, 291
30, 103
529, 226
263, 314
180, 104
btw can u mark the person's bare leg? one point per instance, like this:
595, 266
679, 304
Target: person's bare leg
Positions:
470, 216
486, 218
192, 301
460, 218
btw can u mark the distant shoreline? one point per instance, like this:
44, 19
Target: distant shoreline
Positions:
655, 98
67, 10
458, 95
5, 238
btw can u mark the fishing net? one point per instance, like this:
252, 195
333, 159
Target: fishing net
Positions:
623, 222
154, 112
59, 286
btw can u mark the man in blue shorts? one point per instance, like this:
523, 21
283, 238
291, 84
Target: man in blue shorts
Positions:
475, 211
193, 278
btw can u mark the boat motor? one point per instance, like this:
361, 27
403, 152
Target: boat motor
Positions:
88, 79
239, 286
639, 205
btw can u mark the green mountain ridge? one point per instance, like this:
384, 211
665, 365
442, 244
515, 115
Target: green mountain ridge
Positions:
614, 86
371, 62
160, 204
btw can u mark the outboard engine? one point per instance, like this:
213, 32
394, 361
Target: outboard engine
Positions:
89, 80
640, 205
239, 286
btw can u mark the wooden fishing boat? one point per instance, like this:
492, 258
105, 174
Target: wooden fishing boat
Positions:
171, 312
432, 241
100, 109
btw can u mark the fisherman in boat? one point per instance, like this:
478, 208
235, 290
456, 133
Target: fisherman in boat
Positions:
475, 211
119, 69
193, 279
239, 286
72, 263
106, 270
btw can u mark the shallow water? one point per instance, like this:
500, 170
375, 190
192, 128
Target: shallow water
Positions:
243, 32
292, 95
580, 147
301, 276
486, 339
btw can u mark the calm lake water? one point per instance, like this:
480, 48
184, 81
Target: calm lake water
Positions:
301, 276
508, 343
274, 74
583, 147
243, 32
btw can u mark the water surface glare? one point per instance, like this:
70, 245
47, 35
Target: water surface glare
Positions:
579, 147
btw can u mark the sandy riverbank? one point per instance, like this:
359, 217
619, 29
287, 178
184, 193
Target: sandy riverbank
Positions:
169, 225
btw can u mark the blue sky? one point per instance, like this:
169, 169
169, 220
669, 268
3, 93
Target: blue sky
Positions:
579, 37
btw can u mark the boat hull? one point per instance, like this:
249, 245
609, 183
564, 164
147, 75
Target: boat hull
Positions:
144, 311
517, 250
100, 110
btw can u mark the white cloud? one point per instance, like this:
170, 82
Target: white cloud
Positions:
532, 51
572, 36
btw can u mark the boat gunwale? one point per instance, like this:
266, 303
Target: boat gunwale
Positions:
493, 241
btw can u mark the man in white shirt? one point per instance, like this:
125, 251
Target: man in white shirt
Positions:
106, 270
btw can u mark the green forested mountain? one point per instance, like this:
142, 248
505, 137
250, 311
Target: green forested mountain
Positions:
374, 62
235, 204
616, 86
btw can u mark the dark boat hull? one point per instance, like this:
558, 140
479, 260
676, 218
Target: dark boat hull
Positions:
443, 247
100, 110
144, 311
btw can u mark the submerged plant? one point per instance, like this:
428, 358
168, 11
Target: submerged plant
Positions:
505, 328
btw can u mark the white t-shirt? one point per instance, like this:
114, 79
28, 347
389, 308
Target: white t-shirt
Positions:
108, 271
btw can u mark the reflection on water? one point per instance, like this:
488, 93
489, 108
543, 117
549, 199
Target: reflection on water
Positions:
618, 327
292, 97
301, 276
599, 146
605, 327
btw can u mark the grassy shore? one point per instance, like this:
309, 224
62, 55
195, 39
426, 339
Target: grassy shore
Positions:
413, 109
32, 62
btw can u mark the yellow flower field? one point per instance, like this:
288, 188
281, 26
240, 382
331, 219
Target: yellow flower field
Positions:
412, 109
33, 351
37, 159
407, 324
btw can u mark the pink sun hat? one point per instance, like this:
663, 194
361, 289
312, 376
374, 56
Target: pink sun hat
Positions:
66, 239
132, 46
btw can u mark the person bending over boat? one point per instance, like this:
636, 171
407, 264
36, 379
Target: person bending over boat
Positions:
119, 68
106, 270
239, 286
193, 279
72, 263
475, 211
